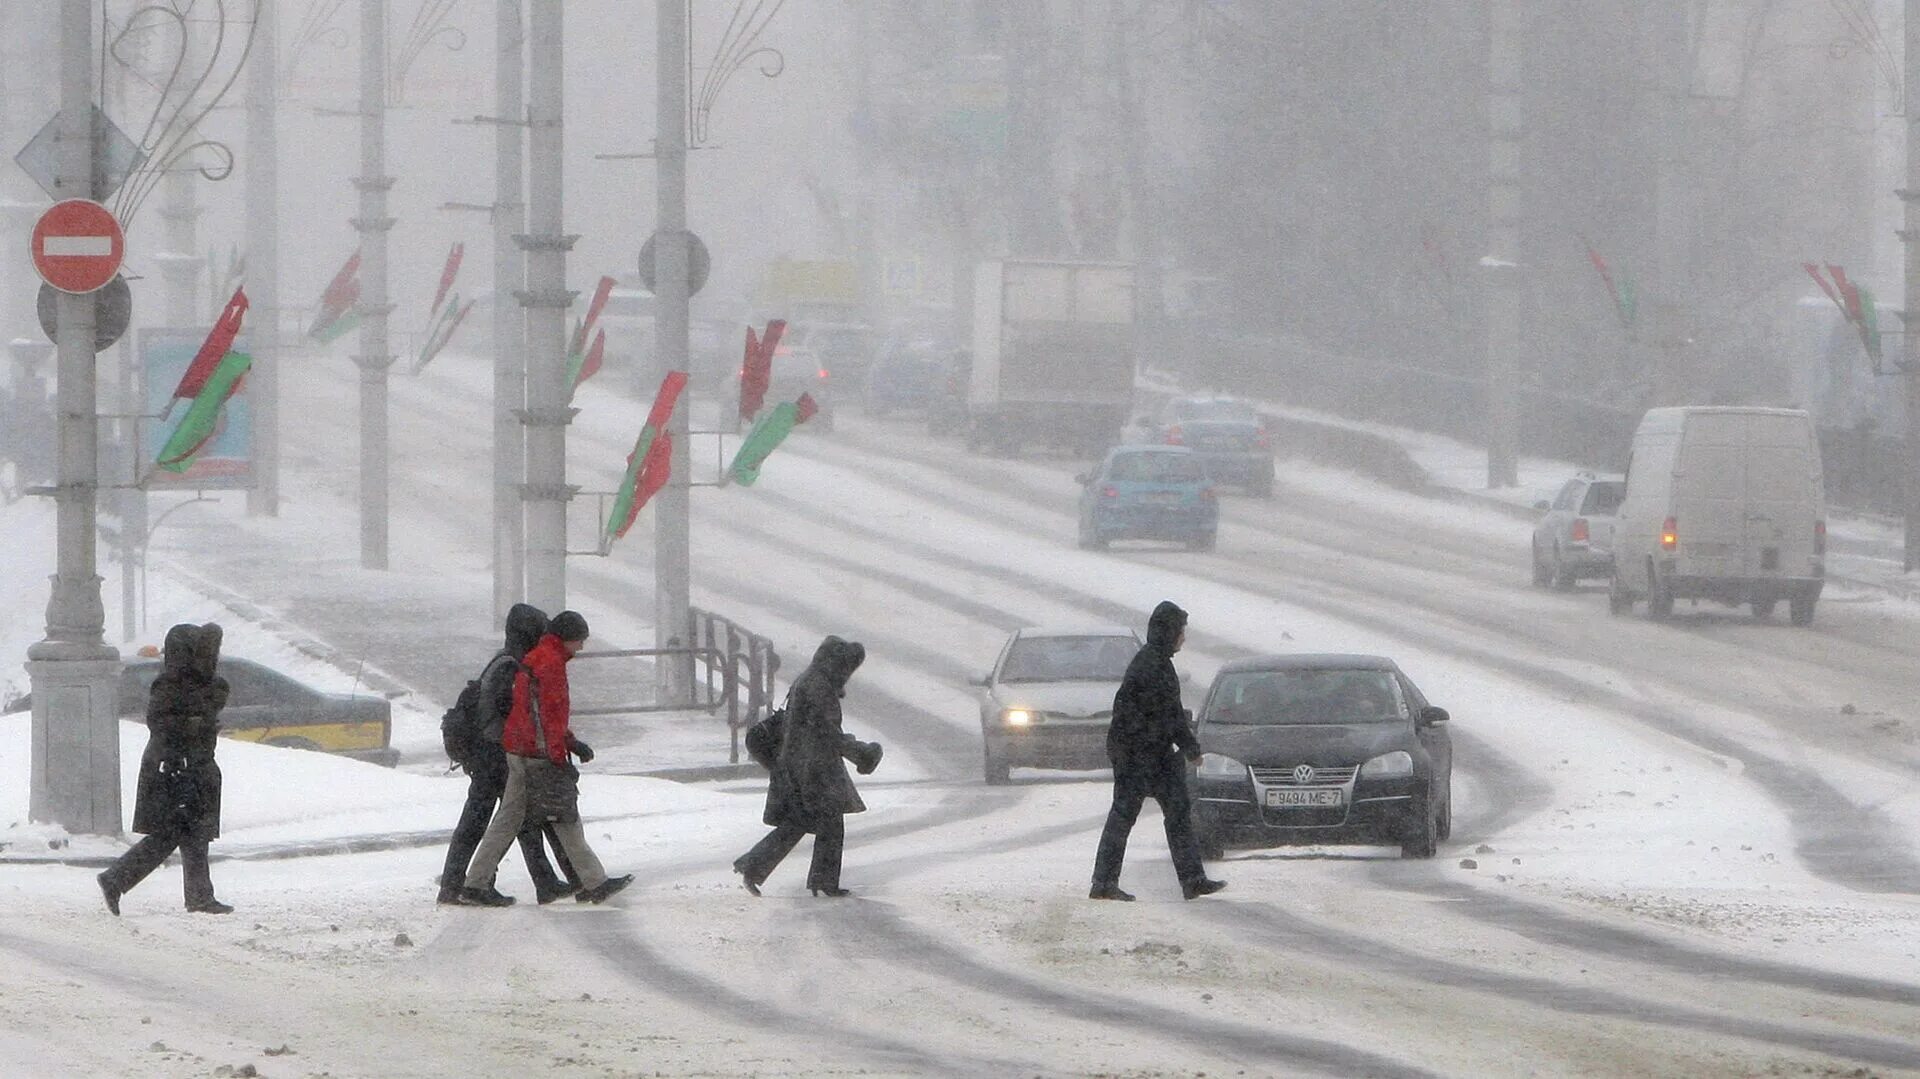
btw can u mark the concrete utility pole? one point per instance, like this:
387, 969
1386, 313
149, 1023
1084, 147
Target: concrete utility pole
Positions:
1910, 340
546, 300
1664, 334
1500, 269
75, 771
672, 545
263, 262
509, 320
373, 224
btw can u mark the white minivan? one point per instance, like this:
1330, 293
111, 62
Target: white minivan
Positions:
1722, 504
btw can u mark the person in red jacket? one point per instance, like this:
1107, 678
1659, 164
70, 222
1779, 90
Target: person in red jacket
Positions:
537, 728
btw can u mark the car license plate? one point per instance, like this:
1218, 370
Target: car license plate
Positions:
1319, 796
1163, 496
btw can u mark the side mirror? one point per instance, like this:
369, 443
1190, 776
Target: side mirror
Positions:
1431, 715
1543, 505
977, 680
1083, 478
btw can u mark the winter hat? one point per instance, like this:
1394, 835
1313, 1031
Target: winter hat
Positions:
568, 626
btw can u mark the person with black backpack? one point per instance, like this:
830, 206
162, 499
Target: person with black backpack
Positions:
470, 731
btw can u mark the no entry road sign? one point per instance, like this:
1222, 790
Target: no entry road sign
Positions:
77, 246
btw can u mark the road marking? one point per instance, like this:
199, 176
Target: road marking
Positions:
88, 246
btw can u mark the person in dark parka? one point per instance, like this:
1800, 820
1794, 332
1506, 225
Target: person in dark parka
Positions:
486, 767
808, 790
1148, 735
177, 800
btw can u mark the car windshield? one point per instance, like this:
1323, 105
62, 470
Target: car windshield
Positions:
1604, 497
1216, 411
1156, 468
1307, 696
1068, 659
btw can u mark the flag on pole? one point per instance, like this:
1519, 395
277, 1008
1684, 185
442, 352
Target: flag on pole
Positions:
649, 463
441, 335
202, 420
334, 316
581, 368
1856, 305
447, 273
767, 434
1622, 294
583, 329
215, 348
756, 368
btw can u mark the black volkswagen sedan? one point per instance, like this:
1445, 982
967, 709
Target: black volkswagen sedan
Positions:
1321, 749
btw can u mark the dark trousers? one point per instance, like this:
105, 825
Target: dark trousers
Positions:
1165, 782
146, 856
829, 842
483, 793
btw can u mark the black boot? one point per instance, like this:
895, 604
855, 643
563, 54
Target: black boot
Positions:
1194, 889
110, 893
209, 906
484, 897
560, 890
1102, 890
605, 891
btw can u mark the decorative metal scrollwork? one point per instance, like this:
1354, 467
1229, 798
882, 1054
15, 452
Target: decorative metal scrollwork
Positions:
739, 45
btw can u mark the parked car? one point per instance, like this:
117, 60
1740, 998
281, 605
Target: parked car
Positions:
842, 349
1148, 492
1228, 434
267, 706
1574, 540
904, 377
1048, 701
1723, 504
1321, 749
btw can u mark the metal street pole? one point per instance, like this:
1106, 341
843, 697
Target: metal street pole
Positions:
509, 319
373, 225
1501, 267
546, 299
75, 770
263, 262
672, 547
1910, 340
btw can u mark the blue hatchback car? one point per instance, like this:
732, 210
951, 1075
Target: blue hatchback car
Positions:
1149, 492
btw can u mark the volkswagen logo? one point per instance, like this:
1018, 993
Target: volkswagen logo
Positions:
1303, 774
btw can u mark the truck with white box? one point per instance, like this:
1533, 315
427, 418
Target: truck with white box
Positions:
1053, 354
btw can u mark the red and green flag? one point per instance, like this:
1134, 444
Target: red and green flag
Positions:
767, 434
756, 368
441, 334
651, 461
583, 367
448, 273
202, 420
1855, 303
1622, 293
219, 342
335, 315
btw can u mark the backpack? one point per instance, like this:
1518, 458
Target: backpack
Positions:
468, 725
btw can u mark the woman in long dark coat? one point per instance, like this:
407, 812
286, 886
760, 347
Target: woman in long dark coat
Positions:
177, 803
809, 790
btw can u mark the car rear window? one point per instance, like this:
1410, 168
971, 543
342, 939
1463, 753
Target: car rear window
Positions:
1068, 659
1156, 468
1306, 696
1604, 497
1219, 411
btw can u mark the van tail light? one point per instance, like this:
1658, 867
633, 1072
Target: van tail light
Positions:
823, 372
1670, 535
1578, 533
1820, 537
1262, 440
1109, 491
1175, 437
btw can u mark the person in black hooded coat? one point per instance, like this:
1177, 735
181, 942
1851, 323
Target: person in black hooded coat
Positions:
177, 798
486, 766
808, 790
1146, 740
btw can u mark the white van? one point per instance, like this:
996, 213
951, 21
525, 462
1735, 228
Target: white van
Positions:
1722, 504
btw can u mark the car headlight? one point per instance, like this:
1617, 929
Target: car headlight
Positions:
1386, 765
1017, 717
1220, 766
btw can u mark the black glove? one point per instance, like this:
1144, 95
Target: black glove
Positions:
1193, 754
580, 749
869, 758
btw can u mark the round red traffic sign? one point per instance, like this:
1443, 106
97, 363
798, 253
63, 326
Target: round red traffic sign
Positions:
77, 246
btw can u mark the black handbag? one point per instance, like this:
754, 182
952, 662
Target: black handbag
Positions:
553, 790
765, 737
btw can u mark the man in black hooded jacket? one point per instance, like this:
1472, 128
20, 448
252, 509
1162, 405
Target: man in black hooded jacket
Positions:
1148, 734
487, 771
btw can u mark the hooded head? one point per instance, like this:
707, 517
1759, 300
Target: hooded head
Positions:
192, 651
1163, 628
525, 625
837, 659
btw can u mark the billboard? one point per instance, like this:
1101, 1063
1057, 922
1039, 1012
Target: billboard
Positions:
226, 461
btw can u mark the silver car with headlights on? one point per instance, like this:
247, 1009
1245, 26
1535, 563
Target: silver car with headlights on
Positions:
1048, 700
1321, 749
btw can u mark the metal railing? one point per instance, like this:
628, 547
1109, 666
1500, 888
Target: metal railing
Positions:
746, 659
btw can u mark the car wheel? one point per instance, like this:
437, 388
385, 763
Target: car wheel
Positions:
1445, 829
1561, 576
1659, 596
1541, 574
1424, 840
1800, 610
1619, 600
1763, 609
1204, 542
996, 770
